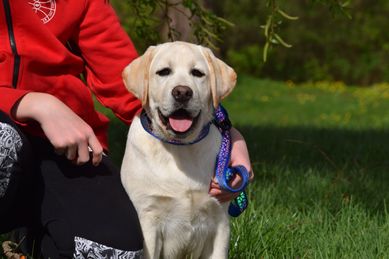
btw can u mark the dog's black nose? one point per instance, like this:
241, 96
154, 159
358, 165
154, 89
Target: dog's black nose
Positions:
182, 93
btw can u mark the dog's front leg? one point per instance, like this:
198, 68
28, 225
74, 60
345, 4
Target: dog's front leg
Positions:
152, 238
218, 247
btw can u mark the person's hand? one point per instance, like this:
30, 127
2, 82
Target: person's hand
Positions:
224, 195
65, 130
239, 156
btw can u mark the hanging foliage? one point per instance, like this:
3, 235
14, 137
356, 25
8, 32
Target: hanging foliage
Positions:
147, 17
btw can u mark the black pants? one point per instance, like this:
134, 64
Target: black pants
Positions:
80, 211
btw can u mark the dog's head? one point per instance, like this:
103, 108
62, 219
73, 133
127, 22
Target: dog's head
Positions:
179, 84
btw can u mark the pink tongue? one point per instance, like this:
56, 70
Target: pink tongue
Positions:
180, 124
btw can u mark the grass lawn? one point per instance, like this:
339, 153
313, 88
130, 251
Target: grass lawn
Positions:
319, 153
320, 156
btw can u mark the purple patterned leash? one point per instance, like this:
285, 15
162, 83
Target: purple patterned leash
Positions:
224, 173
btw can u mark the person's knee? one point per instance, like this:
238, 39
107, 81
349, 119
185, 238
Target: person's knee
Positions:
128, 239
62, 240
10, 146
58, 240
60, 243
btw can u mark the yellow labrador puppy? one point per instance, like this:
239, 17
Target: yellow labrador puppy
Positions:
171, 150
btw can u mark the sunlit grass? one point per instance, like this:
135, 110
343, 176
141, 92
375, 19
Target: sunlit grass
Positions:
320, 105
319, 152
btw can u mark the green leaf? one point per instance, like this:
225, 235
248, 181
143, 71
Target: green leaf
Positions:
281, 41
265, 50
267, 25
287, 16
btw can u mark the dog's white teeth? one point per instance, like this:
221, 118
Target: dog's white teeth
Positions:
180, 124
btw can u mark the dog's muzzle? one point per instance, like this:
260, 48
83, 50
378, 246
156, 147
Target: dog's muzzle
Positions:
181, 122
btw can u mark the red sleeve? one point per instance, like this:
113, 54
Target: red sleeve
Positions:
107, 50
9, 96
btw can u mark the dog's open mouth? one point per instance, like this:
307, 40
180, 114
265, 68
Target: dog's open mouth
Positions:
180, 121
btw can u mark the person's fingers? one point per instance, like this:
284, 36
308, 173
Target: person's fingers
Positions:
223, 196
71, 152
251, 176
97, 150
214, 184
215, 192
226, 197
236, 181
83, 153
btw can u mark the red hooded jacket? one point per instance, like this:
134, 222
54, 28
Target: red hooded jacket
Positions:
46, 45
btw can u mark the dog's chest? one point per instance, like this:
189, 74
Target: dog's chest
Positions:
186, 222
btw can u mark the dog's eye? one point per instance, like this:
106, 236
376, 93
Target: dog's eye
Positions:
164, 71
197, 73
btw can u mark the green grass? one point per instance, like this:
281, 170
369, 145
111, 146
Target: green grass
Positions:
319, 153
320, 156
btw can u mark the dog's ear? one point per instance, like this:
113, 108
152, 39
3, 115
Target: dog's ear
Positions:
136, 75
222, 77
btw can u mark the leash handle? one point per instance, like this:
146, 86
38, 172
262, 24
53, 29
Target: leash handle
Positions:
224, 173
229, 173
240, 203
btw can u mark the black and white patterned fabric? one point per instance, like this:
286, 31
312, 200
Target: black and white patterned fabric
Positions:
10, 145
86, 249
